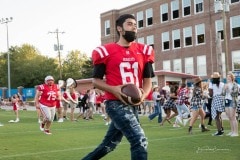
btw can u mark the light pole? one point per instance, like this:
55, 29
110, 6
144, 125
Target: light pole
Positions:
58, 49
6, 21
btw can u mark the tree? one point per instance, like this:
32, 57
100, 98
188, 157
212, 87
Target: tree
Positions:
77, 65
28, 67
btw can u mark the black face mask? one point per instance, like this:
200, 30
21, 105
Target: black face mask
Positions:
129, 36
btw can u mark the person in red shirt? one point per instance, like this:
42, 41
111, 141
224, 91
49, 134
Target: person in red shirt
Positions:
123, 62
46, 98
71, 96
15, 102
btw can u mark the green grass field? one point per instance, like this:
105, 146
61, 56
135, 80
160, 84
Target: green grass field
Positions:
73, 140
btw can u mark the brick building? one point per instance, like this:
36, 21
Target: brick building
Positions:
184, 36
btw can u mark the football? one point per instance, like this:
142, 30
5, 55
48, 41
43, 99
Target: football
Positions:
133, 94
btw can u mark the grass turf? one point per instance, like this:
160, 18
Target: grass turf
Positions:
73, 140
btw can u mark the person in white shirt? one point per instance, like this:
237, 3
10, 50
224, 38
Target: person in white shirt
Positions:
215, 91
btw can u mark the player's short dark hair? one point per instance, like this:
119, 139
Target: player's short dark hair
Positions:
121, 19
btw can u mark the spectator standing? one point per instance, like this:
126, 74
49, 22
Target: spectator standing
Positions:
15, 99
122, 62
230, 92
215, 91
72, 96
92, 101
45, 99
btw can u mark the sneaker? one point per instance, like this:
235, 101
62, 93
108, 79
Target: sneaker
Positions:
17, 120
47, 132
179, 120
219, 133
60, 120
234, 135
42, 126
176, 125
229, 134
1, 125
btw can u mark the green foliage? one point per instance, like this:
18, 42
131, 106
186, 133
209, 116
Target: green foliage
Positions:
73, 140
29, 68
77, 65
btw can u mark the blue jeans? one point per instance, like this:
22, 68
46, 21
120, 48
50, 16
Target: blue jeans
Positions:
157, 112
124, 123
182, 108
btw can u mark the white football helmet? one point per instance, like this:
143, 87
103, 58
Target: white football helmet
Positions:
71, 82
49, 78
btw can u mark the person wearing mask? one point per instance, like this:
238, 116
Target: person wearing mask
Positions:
45, 100
230, 92
122, 62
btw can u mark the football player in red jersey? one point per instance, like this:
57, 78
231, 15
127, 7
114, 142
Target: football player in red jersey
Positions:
125, 61
45, 99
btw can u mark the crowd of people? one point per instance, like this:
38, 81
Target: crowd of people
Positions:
203, 100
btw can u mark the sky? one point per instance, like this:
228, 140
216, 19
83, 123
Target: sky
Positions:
34, 19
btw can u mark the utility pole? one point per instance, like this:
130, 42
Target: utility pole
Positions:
222, 6
224, 3
6, 21
58, 48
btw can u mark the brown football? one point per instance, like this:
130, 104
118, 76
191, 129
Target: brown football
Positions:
133, 94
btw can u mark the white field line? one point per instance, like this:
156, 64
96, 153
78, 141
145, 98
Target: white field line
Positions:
92, 147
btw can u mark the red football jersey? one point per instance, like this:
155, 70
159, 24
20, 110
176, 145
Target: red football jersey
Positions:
123, 65
49, 94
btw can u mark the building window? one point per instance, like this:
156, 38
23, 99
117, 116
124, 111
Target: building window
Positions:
235, 1
187, 36
198, 6
140, 40
140, 19
107, 27
175, 9
177, 65
186, 7
236, 60
176, 38
189, 68
219, 28
200, 33
165, 41
235, 26
201, 66
150, 40
164, 12
167, 65
149, 16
